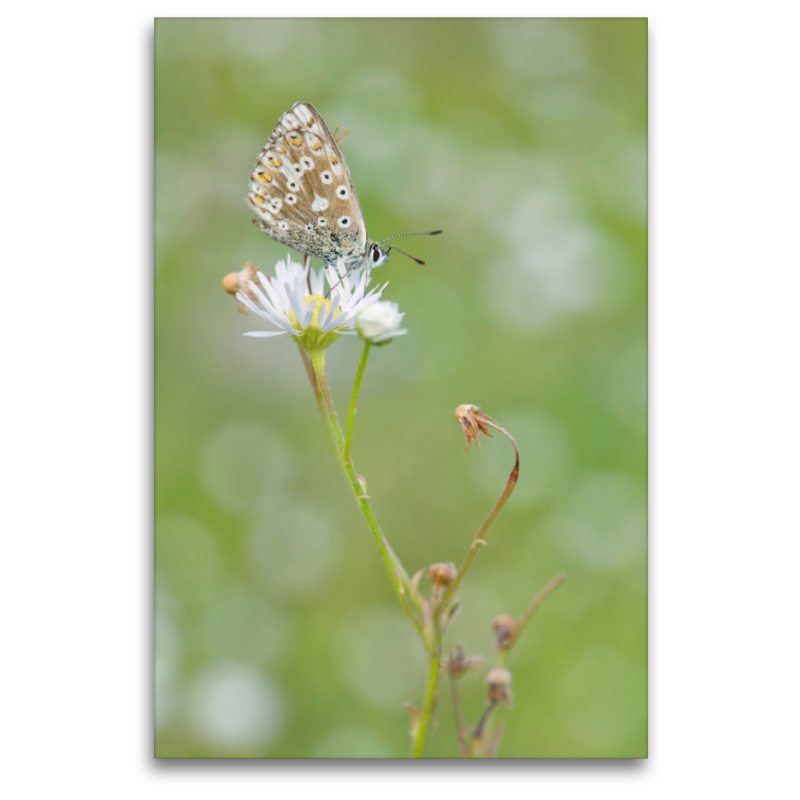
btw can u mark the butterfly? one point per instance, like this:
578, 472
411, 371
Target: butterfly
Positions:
302, 192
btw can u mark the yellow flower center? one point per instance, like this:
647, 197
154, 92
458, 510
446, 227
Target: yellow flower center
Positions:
320, 304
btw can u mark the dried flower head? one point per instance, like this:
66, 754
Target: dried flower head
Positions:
473, 421
235, 282
505, 630
499, 680
458, 663
442, 575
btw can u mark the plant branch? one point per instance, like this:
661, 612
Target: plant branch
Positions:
356, 388
430, 700
397, 574
534, 607
487, 523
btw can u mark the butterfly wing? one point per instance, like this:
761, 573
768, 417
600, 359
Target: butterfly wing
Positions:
302, 192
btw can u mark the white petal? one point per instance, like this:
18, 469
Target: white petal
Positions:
296, 303
246, 301
256, 290
317, 281
263, 334
330, 322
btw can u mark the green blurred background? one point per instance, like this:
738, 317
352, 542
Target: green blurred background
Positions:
277, 634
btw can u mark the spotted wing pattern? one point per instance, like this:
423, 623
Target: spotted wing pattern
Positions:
301, 190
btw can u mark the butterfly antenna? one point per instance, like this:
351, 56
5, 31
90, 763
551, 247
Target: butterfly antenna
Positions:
408, 255
399, 235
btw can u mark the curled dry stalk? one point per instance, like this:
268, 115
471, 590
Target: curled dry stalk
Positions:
474, 421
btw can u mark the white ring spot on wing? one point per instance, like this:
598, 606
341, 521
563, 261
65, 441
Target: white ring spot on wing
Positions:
283, 225
322, 222
344, 222
327, 176
341, 192
307, 163
291, 199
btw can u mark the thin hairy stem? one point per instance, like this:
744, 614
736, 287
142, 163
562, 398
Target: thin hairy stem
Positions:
534, 607
487, 523
348, 441
397, 573
429, 704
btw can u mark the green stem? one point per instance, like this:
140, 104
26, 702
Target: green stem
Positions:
531, 610
397, 573
428, 705
356, 388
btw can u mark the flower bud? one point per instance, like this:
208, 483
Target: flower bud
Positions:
505, 630
499, 680
235, 282
442, 575
379, 322
458, 663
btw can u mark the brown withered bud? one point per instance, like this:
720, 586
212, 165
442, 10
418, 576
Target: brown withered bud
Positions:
473, 421
442, 575
505, 630
238, 282
458, 663
499, 680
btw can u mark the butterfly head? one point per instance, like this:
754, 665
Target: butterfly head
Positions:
377, 256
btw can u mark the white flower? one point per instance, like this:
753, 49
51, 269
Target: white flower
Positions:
312, 318
379, 322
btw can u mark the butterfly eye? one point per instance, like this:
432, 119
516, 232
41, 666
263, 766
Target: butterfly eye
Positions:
376, 254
